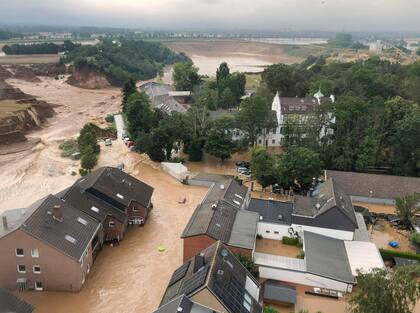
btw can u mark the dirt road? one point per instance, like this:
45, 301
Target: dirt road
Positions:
33, 173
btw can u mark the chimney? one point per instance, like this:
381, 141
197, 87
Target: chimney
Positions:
57, 214
5, 226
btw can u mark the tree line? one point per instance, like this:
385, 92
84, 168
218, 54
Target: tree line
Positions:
377, 115
122, 59
39, 48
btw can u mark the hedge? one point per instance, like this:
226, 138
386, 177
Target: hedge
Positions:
389, 254
291, 241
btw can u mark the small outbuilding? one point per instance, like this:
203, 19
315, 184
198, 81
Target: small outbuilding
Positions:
279, 294
176, 170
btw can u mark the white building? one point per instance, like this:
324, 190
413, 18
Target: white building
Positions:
298, 108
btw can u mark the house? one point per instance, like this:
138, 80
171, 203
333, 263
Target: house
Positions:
215, 278
221, 216
298, 109
374, 188
165, 99
9, 303
185, 305
47, 246
114, 220
328, 263
328, 211
121, 190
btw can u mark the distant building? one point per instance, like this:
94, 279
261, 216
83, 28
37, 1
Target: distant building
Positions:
165, 99
9, 303
286, 108
48, 246
374, 188
221, 216
215, 279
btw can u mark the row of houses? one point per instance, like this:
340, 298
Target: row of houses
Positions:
335, 245
51, 245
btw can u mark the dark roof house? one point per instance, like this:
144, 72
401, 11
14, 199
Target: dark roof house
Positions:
62, 226
216, 279
116, 187
221, 216
374, 188
183, 304
163, 98
9, 303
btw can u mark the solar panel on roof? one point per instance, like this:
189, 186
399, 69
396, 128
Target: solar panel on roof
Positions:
194, 282
179, 273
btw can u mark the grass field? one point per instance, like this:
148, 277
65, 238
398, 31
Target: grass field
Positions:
29, 59
303, 51
8, 107
253, 81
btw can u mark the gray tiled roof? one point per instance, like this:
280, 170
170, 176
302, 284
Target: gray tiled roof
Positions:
43, 226
9, 303
112, 182
217, 214
184, 303
382, 186
225, 277
84, 201
329, 195
327, 257
295, 105
161, 99
270, 210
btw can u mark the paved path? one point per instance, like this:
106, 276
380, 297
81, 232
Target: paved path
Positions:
119, 123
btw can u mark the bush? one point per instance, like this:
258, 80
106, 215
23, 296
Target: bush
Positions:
83, 172
415, 239
387, 255
69, 147
259, 236
248, 263
291, 241
178, 159
301, 255
270, 309
110, 118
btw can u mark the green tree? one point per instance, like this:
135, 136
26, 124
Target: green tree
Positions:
128, 89
222, 72
185, 76
219, 141
139, 113
227, 99
248, 263
262, 166
297, 167
207, 98
195, 150
290, 81
387, 291
89, 158
87, 138
407, 207
254, 116
415, 239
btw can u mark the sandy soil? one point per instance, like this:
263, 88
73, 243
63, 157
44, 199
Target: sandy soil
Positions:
242, 56
31, 174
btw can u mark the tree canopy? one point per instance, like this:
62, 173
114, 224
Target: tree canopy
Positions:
185, 76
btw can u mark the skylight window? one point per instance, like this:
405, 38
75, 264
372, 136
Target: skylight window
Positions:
82, 221
94, 209
70, 239
239, 196
120, 196
236, 202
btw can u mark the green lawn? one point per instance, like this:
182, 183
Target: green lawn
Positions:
253, 81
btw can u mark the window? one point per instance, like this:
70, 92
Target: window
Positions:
21, 269
273, 141
276, 232
267, 231
259, 141
94, 209
236, 202
135, 209
35, 253
38, 286
36, 269
111, 224
247, 301
19, 253
120, 196
82, 221
70, 239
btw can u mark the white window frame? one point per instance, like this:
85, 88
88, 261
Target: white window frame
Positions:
34, 271
19, 271
111, 222
35, 255
19, 255
37, 288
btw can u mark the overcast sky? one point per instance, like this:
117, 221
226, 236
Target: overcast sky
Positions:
398, 15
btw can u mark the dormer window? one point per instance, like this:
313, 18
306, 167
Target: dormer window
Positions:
120, 196
70, 239
94, 209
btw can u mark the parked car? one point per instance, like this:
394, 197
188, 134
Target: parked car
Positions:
242, 169
108, 142
243, 164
